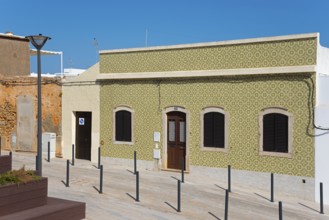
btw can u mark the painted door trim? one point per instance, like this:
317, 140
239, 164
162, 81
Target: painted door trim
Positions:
165, 135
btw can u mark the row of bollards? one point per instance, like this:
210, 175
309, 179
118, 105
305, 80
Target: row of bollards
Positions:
100, 167
227, 191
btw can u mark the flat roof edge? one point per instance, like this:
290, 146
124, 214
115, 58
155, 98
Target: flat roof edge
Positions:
209, 73
217, 43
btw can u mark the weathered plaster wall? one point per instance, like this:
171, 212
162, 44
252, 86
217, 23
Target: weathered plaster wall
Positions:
15, 56
13, 87
80, 94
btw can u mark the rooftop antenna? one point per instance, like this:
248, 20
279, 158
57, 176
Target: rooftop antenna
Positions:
70, 61
146, 36
95, 43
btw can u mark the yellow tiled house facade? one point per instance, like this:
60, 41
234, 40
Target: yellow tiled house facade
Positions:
239, 78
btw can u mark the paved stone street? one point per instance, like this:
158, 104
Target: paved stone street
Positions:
203, 197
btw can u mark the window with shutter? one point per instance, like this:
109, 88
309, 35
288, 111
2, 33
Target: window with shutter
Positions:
214, 130
276, 129
123, 128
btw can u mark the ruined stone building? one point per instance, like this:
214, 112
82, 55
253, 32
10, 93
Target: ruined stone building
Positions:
18, 98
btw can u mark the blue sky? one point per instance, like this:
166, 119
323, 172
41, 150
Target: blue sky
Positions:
74, 24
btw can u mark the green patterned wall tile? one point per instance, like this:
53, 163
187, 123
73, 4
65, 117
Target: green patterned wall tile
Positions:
242, 97
251, 55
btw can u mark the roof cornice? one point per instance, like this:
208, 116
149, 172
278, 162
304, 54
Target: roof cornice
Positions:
209, 73
211, 44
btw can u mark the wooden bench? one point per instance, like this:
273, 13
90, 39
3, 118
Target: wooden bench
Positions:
54, 209
30, 201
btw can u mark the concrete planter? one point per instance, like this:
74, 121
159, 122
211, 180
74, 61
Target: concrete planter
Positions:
18, 197
5, 163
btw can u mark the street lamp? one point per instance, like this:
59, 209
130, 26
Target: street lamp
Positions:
38, 41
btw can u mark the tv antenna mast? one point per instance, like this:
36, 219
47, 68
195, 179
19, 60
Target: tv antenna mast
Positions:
95, 43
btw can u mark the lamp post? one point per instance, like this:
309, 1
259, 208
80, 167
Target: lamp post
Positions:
38, 41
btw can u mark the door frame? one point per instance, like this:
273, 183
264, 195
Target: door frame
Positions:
165, 135
74, 133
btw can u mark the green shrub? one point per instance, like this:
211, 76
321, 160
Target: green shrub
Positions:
18, 176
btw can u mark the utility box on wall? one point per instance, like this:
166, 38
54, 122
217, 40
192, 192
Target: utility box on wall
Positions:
51, 138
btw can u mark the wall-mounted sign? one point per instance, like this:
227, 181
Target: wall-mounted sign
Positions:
156, 137
81, 121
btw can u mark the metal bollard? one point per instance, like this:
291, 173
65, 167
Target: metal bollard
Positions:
99, 157
272, 187
280, 210
229, 178
137, 186
135, 162
72, 154
101, 179
321, 198
48, 151
226, 204
178, 196
67, 173
36, 163
183, 167
11, 154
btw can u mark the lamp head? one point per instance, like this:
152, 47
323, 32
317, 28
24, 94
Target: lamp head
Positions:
38, 40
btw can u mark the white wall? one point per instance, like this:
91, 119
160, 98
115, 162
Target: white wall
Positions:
322, 121
80, 94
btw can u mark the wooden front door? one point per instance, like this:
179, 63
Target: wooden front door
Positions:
83, 135
176, 139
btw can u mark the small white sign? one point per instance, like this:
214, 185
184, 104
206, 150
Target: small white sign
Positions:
156, 137
81, 121
156, 153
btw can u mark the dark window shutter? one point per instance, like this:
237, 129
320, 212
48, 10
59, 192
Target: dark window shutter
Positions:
127, 126
268, 132
281, 133
219, 130
275, 133
214, 130
208, 130
119, 126
123, 126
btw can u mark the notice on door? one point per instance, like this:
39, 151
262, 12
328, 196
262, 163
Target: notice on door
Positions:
81, 121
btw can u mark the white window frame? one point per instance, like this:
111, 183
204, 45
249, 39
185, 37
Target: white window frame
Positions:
277, 110
226, 129
129, 109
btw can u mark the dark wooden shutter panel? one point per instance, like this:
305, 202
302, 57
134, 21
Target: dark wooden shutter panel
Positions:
127, 126
281, 133
214, 130
208, 130
275, 133
119, 126
123, 126
268, 132
219, 130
